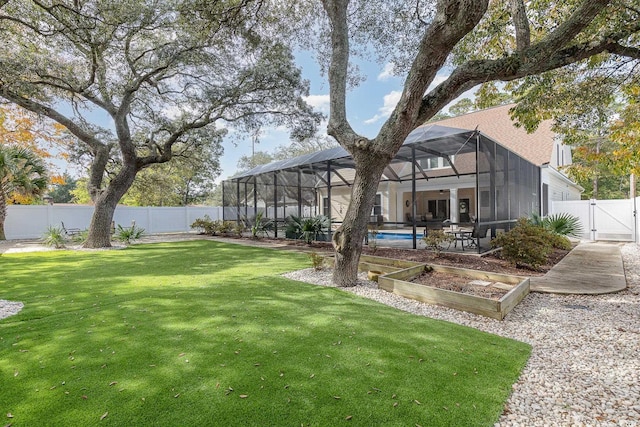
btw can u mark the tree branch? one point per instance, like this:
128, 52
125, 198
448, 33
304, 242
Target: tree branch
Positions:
521, 24
509, 68
628, 51
44, 110
569, 29
453, 20
338, 126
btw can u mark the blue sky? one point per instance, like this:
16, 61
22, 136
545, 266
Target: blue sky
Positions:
368, 106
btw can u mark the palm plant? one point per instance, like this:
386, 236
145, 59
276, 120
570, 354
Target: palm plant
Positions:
307, 229
21, 172
564, 224
54, 236
259, 225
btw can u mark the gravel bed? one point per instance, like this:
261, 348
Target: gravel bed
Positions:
9, 308
584, 369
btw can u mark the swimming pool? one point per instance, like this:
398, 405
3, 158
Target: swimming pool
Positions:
383, 235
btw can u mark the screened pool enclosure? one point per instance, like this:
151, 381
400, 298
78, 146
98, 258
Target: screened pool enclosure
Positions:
440, 175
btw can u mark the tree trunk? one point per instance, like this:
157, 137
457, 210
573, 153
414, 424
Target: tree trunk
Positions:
105, 205
347, 240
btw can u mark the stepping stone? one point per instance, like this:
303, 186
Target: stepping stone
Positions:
503, 286
479, 283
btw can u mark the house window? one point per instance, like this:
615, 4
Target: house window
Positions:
325, 207
377, 206
435, 163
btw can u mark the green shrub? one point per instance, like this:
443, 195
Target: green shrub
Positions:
80, 237
206, 225
238, 229
54, 236
225, 227
373, 238
563, 224
317, 261
560, 242
436, 240
259, 225
526, 244
128, 234
307, 228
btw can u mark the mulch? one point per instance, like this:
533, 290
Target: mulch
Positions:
490, 263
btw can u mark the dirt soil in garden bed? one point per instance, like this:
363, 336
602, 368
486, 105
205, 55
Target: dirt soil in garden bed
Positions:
464, 285
491, 263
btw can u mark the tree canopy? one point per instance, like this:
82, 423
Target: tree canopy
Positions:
137, 83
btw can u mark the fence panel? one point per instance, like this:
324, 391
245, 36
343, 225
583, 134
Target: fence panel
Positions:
577, 208
30, 222
613, 220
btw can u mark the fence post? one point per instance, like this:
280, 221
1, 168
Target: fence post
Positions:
149, 220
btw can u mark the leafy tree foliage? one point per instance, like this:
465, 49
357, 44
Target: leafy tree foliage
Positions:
481, 42
22, 172
60, 192
168, 74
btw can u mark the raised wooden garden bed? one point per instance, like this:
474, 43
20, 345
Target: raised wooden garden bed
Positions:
399, 282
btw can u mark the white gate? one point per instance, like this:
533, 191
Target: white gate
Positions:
613, 220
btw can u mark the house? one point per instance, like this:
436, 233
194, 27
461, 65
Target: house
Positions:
478, 167
543, 148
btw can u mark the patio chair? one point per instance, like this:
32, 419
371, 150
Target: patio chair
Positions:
70, 231
478, 232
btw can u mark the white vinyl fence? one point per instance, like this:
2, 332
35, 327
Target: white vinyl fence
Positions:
613, 220
30, 222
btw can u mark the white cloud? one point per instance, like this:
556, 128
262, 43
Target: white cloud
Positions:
389, 103
386, 73
318, 102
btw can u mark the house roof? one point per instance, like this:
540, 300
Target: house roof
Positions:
430, 139
537, 147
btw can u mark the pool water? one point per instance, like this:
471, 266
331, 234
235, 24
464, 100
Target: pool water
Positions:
394, 236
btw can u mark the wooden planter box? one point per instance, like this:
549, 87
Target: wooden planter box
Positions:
398, 283
385, 265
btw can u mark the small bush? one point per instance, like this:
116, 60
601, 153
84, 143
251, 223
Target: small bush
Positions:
308, 228
80, 237
436, 240
373, 239
54, 236
526, 244
259, 225
128, 234
317, 261
206, 225
238, 229
560, 242
225, 227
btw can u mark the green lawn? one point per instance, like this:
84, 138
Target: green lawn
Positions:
205, 333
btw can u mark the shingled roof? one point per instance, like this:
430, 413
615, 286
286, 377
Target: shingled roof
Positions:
537, 147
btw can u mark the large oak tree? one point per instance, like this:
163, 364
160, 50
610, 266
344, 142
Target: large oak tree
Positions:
478, 41
162, 74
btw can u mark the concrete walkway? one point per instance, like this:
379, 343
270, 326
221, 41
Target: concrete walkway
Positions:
590, 268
